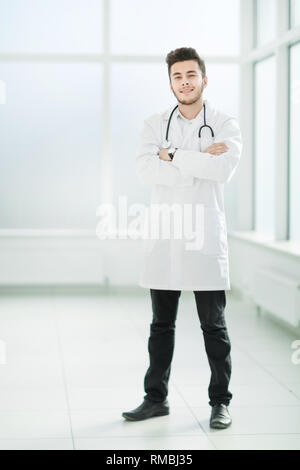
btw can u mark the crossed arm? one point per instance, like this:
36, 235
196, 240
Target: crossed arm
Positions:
217, 162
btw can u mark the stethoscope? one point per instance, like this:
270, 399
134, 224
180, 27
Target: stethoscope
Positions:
167, 144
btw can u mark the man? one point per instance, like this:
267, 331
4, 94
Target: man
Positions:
192, 171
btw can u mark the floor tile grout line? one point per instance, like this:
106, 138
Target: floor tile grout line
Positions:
63, 367
53, 298
261, 366
131, 437
227, 435
135, 327
193, 414
35, 438
238, 348
271, 374
255, 361
140, 335
138, 436
215, 433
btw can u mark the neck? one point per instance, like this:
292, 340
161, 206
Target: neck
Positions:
190, 111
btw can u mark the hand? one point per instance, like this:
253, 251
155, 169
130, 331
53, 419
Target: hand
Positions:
216, 149
163, 155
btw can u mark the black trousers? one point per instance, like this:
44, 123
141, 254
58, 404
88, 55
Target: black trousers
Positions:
210, 308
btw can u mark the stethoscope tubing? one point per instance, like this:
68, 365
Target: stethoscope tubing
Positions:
200, 130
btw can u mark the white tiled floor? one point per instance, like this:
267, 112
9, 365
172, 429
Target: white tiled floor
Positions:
74, 363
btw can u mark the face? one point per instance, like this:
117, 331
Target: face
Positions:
186, 81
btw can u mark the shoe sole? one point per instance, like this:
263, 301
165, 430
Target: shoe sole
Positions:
132, 418
220, 425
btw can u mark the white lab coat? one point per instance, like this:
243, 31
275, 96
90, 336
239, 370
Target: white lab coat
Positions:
193, 177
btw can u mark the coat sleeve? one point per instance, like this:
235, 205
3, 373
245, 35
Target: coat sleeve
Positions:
150, 168
213, 167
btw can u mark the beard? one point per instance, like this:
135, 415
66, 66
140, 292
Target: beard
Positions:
192, 100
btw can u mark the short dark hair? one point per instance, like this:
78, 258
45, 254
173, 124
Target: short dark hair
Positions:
185, 53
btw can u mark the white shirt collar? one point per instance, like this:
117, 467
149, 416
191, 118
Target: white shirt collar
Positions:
166, 114
189, 121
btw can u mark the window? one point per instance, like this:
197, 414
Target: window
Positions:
132, 101
265, 18
160, 26
294, 13
59, 139
294, 144
264, 148
58, 26
50, 134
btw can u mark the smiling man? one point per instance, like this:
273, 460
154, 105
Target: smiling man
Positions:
188, 91
187, 154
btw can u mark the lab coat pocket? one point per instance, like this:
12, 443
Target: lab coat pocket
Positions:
214, 232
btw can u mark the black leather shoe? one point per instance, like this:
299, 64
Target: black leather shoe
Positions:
146, 410
220, 417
